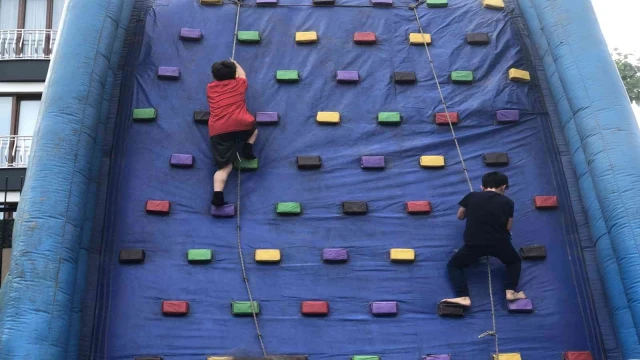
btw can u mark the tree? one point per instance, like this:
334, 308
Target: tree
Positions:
629, 69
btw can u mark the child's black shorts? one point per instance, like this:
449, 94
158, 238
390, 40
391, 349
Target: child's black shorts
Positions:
225, 146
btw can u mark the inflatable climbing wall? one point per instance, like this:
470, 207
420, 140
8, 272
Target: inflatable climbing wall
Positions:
375, 118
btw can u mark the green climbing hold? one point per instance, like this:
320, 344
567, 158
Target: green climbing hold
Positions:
437, 3
199, 255
144, 114
389, 118
246, 164
287, 75
289, 208
462, 77
365, 357
243, 308
249, 36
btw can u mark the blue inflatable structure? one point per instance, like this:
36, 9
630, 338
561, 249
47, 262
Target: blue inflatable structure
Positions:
93, 169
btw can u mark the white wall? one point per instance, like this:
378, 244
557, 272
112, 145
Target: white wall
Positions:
21, 87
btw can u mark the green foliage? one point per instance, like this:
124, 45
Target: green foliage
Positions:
629, 69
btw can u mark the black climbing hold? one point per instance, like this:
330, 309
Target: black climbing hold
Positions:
201, 116
446, 309
477, 38
536, 252
324, 2
404, 77
132, 256
309, 162
496, 159
355, 207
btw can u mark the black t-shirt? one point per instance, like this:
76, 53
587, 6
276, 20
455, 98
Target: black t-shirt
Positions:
488, 214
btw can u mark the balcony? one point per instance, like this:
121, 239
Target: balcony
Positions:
14, 151
27, 44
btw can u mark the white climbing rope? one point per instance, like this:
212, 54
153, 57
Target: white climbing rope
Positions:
493, 332
235, 32
238, 235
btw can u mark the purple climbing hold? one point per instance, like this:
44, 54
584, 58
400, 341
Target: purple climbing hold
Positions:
437, 357
372, 162
168, 72
507, 116
384, 308
335, 255
520, 306
267, 117
182, 160
190, 34
382, 2
347, 76
228, 210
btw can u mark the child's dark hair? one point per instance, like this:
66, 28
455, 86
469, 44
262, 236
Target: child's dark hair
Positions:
223, 70
494, 180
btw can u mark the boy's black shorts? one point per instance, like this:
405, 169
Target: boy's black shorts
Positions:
225, 146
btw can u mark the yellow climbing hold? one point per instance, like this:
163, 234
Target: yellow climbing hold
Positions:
267, 255
519, 75
493, 4
328, 117
402, 255
418, 39
306, 37
432, 161
507, 356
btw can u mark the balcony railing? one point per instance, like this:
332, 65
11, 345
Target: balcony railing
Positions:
14, 151
27, 44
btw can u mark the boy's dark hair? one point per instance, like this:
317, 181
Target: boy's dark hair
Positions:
494, 180
223, 70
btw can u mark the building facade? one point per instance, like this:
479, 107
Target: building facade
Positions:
28, 32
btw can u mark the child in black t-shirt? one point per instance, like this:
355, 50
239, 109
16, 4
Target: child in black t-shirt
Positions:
489, 215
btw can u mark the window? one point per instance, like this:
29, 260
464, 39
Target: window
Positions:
6, 111
9, 10
30, 14
18, 116
28, 28
27, 116
7, 211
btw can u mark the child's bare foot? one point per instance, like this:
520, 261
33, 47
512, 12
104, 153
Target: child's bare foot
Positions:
512, 295
464, 301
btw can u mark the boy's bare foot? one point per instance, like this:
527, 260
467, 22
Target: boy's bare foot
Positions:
512, 295
464, 301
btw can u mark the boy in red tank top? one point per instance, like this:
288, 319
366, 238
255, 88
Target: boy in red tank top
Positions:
230, 124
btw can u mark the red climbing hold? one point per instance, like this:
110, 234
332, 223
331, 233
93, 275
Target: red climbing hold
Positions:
364, 38
577, 355
545, 202
158, 206
418, 207
442, 119
314, 308
175, 308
